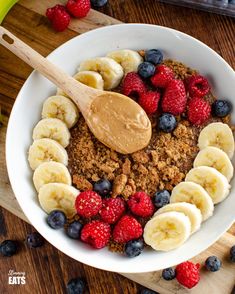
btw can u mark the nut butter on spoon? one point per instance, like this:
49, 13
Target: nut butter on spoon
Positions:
115, 120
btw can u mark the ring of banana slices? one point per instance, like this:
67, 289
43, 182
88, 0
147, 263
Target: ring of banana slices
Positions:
192, 201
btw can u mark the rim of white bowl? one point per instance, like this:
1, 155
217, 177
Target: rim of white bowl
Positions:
90, 262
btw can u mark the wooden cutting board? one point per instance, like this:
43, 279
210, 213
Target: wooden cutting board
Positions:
221, 282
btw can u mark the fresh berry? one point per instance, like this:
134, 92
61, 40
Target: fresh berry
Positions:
56, 219
102, 187
197, 86
154, 56
146, 69
161, 198
34, 240
141, 204
163, 75
76, 286
232, 254
132, 85
112, 209
78, 8
187, 274
148, 291
74, 230
8, 248
88, 203
128, 228
149, 101
168, 274
213, 264
174, 99
221, 108
167, 122
198, 111
96, 233
59, 17
98, 3
134, 248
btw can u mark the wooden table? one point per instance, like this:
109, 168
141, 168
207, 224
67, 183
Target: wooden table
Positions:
47, 269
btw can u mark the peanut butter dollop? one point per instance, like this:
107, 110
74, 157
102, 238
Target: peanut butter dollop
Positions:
119, 123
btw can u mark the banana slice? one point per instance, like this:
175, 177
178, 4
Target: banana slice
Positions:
190, 210
217, 158
110, 70
167, 231
62, 108
44, 150
51, 172
52, 128
218, 135
211, 180
90, 78
58, 196
193, 193
128, 59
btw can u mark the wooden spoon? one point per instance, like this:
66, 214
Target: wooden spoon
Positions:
115, 120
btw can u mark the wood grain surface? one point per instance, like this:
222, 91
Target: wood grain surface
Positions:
47, 269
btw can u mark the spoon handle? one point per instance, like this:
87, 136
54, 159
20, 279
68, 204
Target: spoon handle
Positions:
78, 92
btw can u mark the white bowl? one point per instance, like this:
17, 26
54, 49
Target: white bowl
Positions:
26, 113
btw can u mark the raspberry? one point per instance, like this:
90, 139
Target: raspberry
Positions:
149, 101
141, 204
174, 99
163, 75
59, 17
112, 209
96, 233
198, 111
128, 228
78, 8
187, 274
88, 203
132, 85
197, 86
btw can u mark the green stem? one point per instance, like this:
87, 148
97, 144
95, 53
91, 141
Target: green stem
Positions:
5, 6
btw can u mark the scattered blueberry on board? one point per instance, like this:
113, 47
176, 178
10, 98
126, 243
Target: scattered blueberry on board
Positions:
232, 254
168, 274
98, 3
161, 198
74, 230
147, 291
134, 248
8, 248
167, 122
102, 187
56, 219
34, 240
146, 69
213, 263
76, 286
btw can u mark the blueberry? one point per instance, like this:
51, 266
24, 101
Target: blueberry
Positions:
154, 56
74, 230
168, 274
221, 108
8, 248
34, 240
76, 286
148, 291
98, 3
167, 122
102, 187
134, 248
213, 264
146, 69
56, 219
232, 254
161, 198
